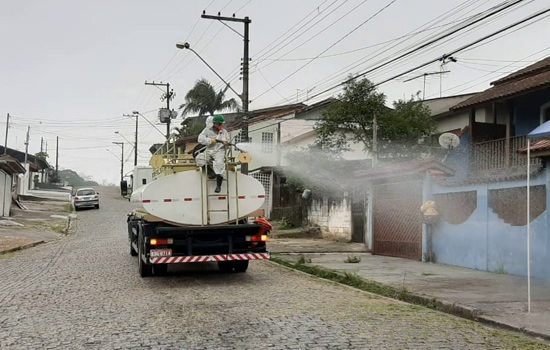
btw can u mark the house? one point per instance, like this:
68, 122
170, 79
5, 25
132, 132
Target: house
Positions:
480, 190
9, 169
448, 120
38, 169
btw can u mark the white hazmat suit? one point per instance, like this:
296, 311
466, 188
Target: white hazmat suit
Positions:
215, 152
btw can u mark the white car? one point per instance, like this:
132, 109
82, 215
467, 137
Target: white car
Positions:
86, 198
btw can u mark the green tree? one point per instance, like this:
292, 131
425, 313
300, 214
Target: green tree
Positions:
203, 99
401, 131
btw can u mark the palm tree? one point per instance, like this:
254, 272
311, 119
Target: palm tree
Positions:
202, 99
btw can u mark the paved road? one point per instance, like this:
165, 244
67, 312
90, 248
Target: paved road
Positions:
84, 292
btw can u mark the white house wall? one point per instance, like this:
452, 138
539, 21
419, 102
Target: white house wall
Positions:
333, 217
453, 122
3, 190
7, 195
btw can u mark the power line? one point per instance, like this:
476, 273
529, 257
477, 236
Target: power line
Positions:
434, 41
331, 46
427, 25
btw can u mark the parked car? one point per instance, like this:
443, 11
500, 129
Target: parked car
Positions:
86, 198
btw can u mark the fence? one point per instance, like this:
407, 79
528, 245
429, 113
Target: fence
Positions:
490, 155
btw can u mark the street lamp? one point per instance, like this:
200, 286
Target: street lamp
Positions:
186, 46
121, 144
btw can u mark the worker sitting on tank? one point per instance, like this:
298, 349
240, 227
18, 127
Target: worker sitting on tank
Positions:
215, 138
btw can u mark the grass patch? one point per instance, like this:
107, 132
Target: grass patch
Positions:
427, 274
67, 208
285, 224
349, 279
353, 259
302, 260
59, 228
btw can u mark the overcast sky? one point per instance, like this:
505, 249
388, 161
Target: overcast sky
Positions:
73, 68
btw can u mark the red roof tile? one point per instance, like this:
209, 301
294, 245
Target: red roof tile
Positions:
533, 77
538, 146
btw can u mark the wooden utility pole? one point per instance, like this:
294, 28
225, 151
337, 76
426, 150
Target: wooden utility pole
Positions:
374, 140
27, 144
7, 128
167, 96
245, 64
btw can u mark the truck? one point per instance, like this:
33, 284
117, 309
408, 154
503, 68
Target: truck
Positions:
181, 220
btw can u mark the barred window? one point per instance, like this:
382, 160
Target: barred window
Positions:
267, 142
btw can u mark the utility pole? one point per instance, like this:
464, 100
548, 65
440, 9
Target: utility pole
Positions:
374, 140
121, 144
57, 159
167, 96
27, 144
136, 139
7, 128
41, 150
245, 64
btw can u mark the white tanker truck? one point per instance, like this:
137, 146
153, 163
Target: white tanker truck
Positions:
181, 220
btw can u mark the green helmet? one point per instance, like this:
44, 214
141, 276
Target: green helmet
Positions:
218, 119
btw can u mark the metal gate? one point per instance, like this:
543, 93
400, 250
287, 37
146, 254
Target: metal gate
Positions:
266, 179
397, 219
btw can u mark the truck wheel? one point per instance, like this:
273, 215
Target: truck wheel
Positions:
240, 266
132, 250
144, 269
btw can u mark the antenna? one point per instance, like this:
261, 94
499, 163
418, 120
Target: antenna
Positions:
449, 141
425, 75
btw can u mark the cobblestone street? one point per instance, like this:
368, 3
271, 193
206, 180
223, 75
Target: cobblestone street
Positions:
84, 292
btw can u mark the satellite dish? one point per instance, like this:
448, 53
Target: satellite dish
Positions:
449, 140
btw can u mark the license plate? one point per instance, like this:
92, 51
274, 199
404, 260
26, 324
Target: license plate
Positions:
160, 252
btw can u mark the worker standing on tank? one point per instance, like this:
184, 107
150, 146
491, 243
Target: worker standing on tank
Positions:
216, 139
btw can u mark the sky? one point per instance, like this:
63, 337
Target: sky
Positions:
72, 69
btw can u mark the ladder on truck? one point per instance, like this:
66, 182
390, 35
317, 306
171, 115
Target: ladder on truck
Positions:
208, 196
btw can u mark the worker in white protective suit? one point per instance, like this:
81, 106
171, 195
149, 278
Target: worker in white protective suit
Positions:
216, 139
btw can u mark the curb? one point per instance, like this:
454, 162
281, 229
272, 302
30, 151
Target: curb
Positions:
25, 246
452, 308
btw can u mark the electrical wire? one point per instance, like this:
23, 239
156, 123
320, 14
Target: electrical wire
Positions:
332, 45
434, 41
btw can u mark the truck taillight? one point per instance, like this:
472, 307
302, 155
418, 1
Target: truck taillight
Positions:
76, 198
96, 197
257, 238
161, 241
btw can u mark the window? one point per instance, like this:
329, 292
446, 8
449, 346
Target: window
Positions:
144, 181
545, 113
85, 193
238, 139
267, 142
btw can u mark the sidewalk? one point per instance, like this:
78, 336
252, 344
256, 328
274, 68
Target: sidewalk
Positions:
46, 219
497, 299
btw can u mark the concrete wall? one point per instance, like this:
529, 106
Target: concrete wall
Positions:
333, 216
486, 242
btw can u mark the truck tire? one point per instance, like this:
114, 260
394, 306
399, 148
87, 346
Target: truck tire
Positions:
240, 266
144, 269
132, 250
